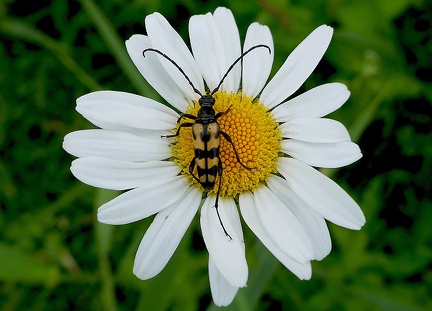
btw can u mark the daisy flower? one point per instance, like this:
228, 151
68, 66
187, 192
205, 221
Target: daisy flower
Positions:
283, 199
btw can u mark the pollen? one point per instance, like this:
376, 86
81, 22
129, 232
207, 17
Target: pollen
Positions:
254, 135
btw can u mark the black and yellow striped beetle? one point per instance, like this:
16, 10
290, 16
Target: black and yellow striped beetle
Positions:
206, 133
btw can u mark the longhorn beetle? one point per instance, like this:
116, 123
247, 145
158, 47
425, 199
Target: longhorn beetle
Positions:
206, 130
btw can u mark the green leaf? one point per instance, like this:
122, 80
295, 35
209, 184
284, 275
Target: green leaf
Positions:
19, 267
117, 47
20, 30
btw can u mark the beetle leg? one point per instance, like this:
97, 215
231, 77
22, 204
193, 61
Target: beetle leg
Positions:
217, 199
187, 124
220, 114
187, 116
228, 138
191, 169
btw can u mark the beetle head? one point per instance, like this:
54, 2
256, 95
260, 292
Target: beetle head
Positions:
206, 101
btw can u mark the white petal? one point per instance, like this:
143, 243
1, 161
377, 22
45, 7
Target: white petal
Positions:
155, 74
207, 48
249, 212
216, 45
315, 103
145, 133
315, 130
116, 145
126, 109
164, 38
313, 223
222, 291
128, 129
229, 33
257, 64
144, 201
228, 254
283, 226
120, 175
164, 234
297, 68
322, 155
321, 193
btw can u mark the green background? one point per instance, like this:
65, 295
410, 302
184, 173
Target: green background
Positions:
55, 256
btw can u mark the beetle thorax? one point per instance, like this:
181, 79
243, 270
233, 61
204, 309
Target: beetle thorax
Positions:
206, 114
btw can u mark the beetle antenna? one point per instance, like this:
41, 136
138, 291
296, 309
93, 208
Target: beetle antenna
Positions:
175, 64
236, 61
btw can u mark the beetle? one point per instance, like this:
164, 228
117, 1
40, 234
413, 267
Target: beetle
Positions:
206, 133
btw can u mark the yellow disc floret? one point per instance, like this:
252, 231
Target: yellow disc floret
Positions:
254, 134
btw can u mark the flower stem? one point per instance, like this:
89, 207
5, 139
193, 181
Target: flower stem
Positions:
103, 240
368, 114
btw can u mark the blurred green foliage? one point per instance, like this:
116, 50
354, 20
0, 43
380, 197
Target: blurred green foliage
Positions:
55, 256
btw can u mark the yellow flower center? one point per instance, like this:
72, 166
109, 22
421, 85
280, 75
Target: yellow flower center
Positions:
254, 134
